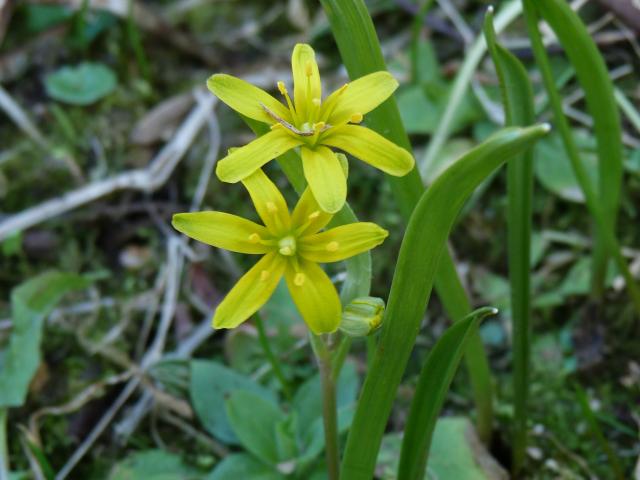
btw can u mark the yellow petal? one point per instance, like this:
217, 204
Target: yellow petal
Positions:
222, 230
361, 96
306, 78
269, 202
243, 161
325, 176
370, 147
341, 242
246, 99
250, 293
308, 217
315, 296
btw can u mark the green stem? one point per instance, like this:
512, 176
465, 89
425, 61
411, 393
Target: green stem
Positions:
271, 357
4, 447
329, 405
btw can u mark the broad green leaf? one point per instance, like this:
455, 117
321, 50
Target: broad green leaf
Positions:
412, 283
153, 465
456, 453
435, 378
355, 35
254, 421
81, 85
517, 98
243, 466
210, 384
31, 302
553, 168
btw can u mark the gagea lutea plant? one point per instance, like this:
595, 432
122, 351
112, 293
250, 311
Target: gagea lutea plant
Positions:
293, 244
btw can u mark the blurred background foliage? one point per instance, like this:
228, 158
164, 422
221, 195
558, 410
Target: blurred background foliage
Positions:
93, 90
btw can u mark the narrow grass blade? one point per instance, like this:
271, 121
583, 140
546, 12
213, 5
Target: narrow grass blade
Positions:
517, 97
597, 207
421, 250
431, 391
359, 47
593, 77
507, 14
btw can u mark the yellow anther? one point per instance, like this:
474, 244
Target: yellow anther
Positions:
317, 127
314, 215
332, 246
308, 68
316, 102
264, 274
282, 88
288, 251
356, 118
299, 279
276, 126
254, 238
271, 207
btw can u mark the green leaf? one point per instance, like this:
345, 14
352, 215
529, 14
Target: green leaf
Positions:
81, 85
553, 168
593, 76
360, 50
435, 378
254, 421
152, 465
210, 384
517, 97
31, 302
412, 283
243, 466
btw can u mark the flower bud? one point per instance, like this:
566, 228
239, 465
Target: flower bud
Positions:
362, 316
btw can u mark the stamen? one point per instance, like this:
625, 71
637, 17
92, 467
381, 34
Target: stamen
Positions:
283, 90
314, 215
356, 118
264, 274
254, 238
299, 279
319, 127
286, 251
332, 246
271, 207
276, 126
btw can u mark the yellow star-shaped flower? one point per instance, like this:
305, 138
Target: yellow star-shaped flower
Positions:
314, 125
292, 246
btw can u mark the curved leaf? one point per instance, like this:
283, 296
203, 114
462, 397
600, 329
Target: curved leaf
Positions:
418, 260
433, 385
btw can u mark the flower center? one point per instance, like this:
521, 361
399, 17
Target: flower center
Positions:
287, 246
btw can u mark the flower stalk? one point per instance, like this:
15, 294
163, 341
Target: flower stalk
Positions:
324, 356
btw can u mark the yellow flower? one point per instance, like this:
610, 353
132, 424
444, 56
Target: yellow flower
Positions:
313, 125
290, 245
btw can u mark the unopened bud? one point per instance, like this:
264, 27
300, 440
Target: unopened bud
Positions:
362, 316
